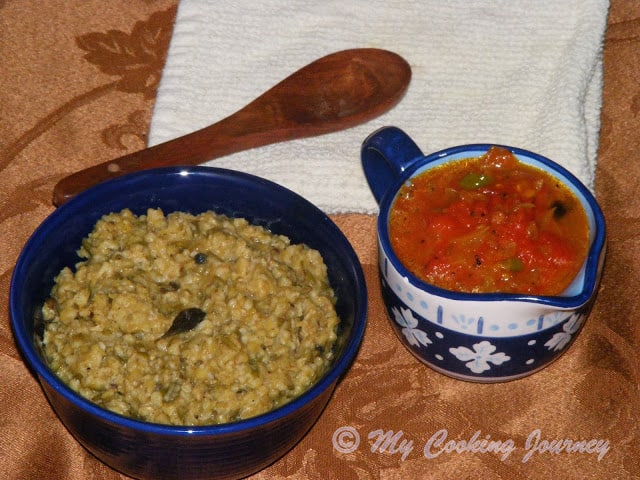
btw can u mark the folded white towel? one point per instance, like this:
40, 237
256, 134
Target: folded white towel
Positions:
515, 72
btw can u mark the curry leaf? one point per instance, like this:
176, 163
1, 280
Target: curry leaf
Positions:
186, 320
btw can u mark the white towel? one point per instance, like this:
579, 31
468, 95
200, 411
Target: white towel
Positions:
515, 72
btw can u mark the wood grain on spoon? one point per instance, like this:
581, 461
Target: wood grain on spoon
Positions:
338, 91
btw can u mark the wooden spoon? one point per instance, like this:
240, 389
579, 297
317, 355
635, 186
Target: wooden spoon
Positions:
335, 92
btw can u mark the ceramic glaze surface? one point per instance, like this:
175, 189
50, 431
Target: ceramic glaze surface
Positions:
145, 450
478, 337
456, 338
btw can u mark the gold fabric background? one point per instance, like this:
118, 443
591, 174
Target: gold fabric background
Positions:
77, 86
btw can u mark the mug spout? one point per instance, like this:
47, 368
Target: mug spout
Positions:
385, 154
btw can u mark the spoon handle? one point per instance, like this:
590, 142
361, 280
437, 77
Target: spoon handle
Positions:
197, 147
337, 91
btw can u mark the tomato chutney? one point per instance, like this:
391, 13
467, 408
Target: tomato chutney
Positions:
490, 224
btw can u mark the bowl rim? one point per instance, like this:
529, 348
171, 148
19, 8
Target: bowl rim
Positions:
593, 260
37, 365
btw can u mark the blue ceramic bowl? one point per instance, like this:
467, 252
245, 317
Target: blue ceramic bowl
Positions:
477, 337
145, 450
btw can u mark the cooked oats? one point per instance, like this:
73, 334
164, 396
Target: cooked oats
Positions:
268, 332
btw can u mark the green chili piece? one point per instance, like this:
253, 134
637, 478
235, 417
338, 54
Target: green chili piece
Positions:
474, 180
513, 264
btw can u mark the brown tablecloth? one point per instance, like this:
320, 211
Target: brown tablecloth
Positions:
77, 86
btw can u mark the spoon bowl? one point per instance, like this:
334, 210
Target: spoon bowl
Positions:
335, 92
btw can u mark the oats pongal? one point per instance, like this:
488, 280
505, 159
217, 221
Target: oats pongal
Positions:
190, 319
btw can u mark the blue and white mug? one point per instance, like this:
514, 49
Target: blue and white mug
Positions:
489, 337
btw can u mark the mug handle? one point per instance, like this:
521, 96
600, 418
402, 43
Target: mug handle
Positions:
385, 155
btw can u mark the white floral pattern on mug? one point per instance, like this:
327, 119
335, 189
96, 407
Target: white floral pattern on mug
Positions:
479, 358
408, 322
562, 339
